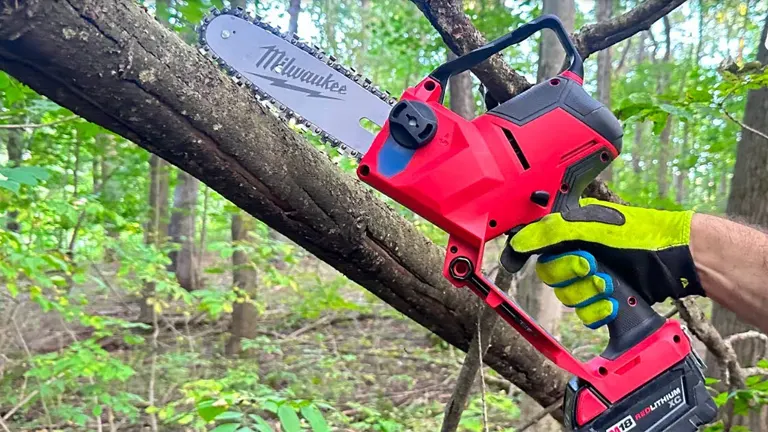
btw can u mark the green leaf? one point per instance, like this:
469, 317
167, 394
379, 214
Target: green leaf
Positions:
676, 110
25, 175
315, 418
4, 80
763, 363
245, 429
226, 427
229, 415
711, 381
186, 419
207, 411
260, 424
288, 418
97, 410
10, 185
721, 399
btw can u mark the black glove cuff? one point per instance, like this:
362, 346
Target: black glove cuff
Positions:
684, 280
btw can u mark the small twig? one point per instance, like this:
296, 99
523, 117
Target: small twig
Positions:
38, 125
4, 426
741, 124
620, 67
312, 326
672, 312
750, 334
543, 413
203, 228
153, 371
99, 426
81, 216
111, 419
752, 371
719, 347
20, 404
29, 358
482, 374
582, 350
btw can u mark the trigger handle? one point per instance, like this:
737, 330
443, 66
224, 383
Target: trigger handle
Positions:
635, 318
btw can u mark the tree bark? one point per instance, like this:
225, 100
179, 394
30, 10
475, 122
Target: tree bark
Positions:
534, 296
604, 71
110, 189
551, 54
682, 175
747, 203
663, 170
637, 143
244, 314
181, 230
294, 9
502, 82
462, 101
147, 85
153, 232
15, 147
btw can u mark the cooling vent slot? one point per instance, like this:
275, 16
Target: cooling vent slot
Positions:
516, 147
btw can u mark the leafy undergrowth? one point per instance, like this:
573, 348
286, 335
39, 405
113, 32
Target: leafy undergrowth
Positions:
328, 356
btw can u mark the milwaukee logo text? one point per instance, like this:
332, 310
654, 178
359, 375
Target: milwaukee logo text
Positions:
293, 77
670, 400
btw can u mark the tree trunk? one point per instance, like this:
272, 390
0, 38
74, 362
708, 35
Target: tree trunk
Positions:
551, 54
666, 134
15, 148
294, 9
181, 230
637, 142
747, 202
604, 70
536, 298
146, 84
462, 101
682, 175
153, 234
110, 189
244, 276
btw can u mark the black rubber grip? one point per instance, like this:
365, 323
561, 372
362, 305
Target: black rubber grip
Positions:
635, 319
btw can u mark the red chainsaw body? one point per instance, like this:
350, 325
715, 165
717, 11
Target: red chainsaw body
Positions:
476, 180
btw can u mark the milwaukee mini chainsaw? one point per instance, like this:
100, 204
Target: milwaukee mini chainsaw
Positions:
478, 180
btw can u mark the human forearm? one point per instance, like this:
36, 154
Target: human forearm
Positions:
732, 263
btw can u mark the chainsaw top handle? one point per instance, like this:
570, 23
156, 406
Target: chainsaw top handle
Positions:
477, 56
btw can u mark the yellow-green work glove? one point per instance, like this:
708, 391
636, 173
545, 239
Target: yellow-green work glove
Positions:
647, 248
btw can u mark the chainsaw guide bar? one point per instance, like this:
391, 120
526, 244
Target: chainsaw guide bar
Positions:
297, 74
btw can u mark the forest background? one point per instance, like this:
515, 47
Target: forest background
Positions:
137, 297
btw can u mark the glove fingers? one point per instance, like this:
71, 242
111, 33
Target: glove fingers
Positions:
577, 284
561, 270
585, 291
598, 313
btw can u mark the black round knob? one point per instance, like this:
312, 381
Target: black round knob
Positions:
412, 124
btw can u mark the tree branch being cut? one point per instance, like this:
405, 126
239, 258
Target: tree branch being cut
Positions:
598, 36
503, 82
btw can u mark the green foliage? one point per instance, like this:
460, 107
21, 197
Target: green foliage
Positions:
751, 399
12, 178
73, 252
